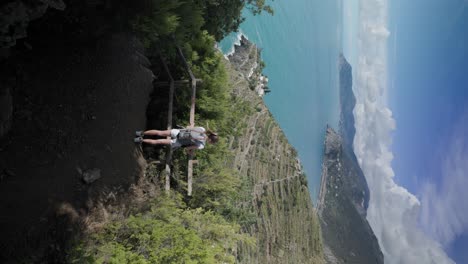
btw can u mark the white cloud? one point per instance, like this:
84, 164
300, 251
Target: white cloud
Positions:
444, 207
393, 212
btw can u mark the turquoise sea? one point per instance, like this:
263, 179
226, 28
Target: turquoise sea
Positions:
301, 43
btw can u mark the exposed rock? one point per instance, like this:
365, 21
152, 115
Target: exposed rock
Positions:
56, 4
331, 259
332, 143
341, 207
241, 58
91, 175
245, 60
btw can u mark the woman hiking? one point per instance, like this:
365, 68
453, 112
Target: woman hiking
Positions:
189, 138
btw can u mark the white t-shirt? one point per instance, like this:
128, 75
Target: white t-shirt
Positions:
175, 143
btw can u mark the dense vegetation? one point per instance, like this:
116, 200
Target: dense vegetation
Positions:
168, 232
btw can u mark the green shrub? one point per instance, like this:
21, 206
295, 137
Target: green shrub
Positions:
167, 233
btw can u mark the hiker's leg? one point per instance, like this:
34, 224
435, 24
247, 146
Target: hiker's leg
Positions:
157, 141
161, 133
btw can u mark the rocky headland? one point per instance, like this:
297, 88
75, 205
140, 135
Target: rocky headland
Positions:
344, 194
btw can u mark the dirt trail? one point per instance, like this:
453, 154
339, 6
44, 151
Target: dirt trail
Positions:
74, 108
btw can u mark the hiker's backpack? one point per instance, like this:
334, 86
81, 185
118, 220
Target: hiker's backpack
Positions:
191, 136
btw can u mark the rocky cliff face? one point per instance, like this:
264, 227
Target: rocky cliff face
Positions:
286, 226
344, 194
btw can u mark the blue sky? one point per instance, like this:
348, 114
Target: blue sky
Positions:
410, 71
429, 93
428, 58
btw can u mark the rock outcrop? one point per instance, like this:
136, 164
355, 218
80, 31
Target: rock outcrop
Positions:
15, 17
342, 207
285, 225
344, 194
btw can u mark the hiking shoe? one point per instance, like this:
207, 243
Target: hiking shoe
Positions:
139, 133
138, 140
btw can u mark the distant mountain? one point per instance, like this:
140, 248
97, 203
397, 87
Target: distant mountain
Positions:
344, 194
347, 101
358, 188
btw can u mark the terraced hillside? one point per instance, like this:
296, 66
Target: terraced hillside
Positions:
286, 226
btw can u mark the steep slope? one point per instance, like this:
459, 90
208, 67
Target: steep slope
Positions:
347, 235
286, 225
75, 111
344, 194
